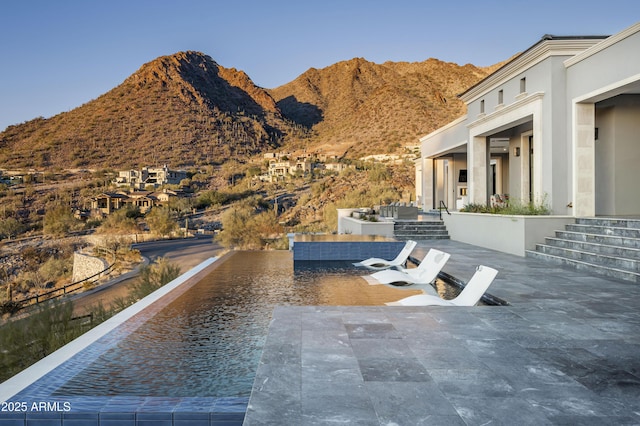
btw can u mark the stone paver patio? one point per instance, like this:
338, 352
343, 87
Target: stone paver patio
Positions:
565, 351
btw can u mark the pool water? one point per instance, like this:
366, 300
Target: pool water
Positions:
208, 341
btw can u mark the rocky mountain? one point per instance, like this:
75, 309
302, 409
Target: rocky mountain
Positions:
185, 109
360, 107
181, 109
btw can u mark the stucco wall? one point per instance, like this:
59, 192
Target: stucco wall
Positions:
508, 234
617, 156
617, 64
447, 137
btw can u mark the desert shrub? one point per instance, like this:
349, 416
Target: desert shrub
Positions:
210, 198
475, 208
510, 208
28, 340
33, 256
55, 268
152, 277
58, 220
378, 173
10, 227
121, 221
246, 226
9, 307
161, 221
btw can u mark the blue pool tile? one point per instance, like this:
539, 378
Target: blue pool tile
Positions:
181, 418
227, 419
44, 415
44, 422
191, 416
117, 419
81, 419
350, 251
81, 416
154, 416
13, 422
205, 422
108, 422
123, 416
12, 418
12, 415
81, 422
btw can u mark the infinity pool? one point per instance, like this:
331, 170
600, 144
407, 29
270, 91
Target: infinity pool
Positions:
208, 341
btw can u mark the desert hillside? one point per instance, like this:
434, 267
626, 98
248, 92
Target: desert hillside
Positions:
360, 107
186, 110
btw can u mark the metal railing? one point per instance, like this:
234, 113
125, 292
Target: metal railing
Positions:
69, 288
443, 206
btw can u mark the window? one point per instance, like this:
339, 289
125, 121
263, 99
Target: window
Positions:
482, 106
523, 85
500, 97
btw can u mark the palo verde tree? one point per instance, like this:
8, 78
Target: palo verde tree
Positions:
161, 221
249, 225
58, 220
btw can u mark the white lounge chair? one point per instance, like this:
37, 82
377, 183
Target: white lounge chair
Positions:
377, 263
425, 273
469, 296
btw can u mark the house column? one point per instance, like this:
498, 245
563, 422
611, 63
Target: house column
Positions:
427, 184
418, 179
525, 167
478, 166
584, 176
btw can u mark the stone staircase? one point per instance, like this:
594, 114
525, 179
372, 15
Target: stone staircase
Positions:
609, 247
420, 230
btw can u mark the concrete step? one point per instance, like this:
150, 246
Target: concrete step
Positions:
421, 237
623, 263
592, 247
418, 227
586, 266
611, 240
606, 246
605, 230
420, 230
611, 222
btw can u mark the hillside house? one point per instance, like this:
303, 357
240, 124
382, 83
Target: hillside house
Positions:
281, 169
558, 123
108, 202
143, 200
156, 176
337, 167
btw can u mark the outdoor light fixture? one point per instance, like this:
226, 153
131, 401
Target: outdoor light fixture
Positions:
516, 151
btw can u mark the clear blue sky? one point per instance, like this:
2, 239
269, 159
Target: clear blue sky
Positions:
57, 55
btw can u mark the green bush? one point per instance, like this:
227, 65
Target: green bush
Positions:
161, 221
121, 221
9, 307
58, 220
510, 208
28, 340
246, 225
